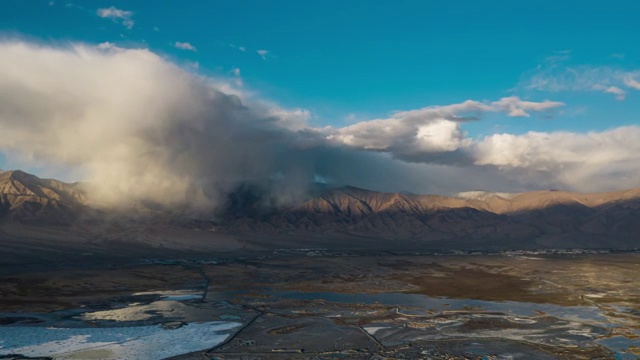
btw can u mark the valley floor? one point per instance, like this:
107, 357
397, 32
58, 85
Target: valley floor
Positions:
315, 304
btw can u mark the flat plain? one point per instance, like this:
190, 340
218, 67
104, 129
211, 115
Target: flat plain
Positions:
316, 304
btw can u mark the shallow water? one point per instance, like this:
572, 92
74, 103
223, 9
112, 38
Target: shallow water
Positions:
582, 317
620, 345
135, 342
130, 332
584, 314
135, 331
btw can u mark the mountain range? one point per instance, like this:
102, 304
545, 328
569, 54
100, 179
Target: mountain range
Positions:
476, 219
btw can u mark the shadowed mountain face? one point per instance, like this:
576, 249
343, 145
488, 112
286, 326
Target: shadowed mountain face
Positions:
542, 218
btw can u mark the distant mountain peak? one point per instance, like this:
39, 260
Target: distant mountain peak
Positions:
514, 218
483, 195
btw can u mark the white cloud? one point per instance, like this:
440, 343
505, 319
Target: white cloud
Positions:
292, 119
631, 82
515, 107
440, 136
263, 54
620, 94
237, 77
592, 161
406, 140
106, 45
557, 77
185, 46
241, 48
416, 135
116, 14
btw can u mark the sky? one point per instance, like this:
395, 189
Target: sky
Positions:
452, 95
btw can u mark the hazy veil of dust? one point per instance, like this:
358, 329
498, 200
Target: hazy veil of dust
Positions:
140, 127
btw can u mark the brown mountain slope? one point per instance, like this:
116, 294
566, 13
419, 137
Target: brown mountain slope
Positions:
350, 200
548, 218
29, 199
544, 199
553, 218
354, 201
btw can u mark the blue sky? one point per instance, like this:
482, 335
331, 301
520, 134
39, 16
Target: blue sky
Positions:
351, 61
368, 58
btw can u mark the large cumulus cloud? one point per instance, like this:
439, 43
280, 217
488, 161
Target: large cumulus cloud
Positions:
139, 126
430, 134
